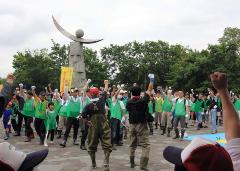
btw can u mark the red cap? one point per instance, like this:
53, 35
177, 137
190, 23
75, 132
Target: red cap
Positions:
10, 103
94, 91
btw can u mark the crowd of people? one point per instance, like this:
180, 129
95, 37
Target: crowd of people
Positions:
110, 115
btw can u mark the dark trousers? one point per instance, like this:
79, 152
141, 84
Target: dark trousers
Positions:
40, 128
178, 119
19, 123
28, 129
14, 124
84, 134
51, 133
71, 122
115, 130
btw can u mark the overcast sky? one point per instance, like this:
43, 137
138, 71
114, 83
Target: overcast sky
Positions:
27, 24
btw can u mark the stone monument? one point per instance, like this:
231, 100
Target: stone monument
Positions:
76, 58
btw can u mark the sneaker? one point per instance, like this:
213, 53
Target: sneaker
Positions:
51, 142
45, 145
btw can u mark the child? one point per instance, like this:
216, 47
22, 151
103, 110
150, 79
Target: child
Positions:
6, 120
50, 123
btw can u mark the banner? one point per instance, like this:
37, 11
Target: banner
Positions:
66, 77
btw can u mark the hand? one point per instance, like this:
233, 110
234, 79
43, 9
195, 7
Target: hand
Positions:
21, 85
66, 83
219, 81
49, 85
89, 81
118, 87
10, 78
106, 82
89, 123
33, 87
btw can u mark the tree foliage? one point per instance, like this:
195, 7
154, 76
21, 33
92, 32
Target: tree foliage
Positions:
173, 65
40, 67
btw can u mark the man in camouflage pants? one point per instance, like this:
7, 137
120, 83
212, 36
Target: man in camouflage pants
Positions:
98, 125
138, 109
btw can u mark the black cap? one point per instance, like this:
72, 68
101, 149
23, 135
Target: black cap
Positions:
173, 155
33, 159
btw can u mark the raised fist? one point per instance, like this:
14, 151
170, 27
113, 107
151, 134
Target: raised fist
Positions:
106, 82
89, 81
219, 81
10, 78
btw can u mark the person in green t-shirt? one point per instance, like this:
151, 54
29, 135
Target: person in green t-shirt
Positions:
28, 114
199, 110
40, 115
73, 114
50, 123
84, 100
14, 109
237, 105
158, 109
181, 109
206, 111
117, 109
166, 121
151, 104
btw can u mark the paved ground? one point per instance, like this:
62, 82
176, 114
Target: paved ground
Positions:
72, 158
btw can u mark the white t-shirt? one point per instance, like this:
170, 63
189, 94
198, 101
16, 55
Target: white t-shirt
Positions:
233, 148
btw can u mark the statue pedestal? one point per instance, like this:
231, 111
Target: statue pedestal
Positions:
76, 61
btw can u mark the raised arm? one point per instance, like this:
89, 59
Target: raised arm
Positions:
231, 122
150, 86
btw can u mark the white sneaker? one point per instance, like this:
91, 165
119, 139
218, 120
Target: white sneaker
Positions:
51, 142
45, 145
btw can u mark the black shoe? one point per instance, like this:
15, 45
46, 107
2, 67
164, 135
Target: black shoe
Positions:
17, 135
114, 148
63, 144
75, 143
82, 147
28, 139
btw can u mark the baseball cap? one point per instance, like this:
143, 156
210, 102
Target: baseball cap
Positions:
94, 91
14, 160
201, 154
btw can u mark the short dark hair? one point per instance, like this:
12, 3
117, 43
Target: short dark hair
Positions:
136, 91
50, 104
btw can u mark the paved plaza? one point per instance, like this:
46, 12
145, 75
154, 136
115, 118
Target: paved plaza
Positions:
72, 158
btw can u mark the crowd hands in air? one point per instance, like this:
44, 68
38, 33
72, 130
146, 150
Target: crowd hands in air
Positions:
54, 113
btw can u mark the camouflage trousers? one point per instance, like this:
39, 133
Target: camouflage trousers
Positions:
99, 131
139, 136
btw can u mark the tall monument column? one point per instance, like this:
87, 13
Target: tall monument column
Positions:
76, 58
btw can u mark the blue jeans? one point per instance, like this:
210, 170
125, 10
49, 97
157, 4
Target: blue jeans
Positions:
199, 117
213, 113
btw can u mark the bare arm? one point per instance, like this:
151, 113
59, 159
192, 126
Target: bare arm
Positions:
230, 117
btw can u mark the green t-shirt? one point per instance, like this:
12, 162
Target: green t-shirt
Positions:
28, 108
150, 107
63, 109
237, 105
116, 111
50, 122
57, 104
14, 109
180, 108
167, 105
158, 104
40, 111
73, 109
199, 105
